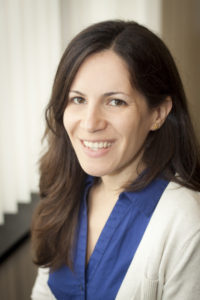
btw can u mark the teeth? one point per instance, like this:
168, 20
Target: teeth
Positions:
96, 145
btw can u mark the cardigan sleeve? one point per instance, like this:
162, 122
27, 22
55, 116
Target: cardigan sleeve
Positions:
184, 282
41, 290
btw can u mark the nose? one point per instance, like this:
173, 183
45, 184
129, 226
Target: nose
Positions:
93, 119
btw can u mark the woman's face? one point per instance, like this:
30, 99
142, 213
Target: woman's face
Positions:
106, 119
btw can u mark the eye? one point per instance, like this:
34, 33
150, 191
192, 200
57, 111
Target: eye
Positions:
117, 102
77, 100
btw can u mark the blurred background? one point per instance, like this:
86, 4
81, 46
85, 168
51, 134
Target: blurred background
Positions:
33, 36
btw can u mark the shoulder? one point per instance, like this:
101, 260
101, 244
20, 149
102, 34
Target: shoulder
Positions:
181, 193
41, 290
175, 228
176, 218
179, 205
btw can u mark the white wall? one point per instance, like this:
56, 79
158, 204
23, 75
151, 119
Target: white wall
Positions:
77, 14
29, 53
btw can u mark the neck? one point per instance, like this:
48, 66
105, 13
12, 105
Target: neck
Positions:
115, 183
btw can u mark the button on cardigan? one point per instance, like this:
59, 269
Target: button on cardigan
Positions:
114, 250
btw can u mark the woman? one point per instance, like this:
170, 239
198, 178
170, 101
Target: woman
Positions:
119, 216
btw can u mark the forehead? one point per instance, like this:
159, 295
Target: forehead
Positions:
103, 70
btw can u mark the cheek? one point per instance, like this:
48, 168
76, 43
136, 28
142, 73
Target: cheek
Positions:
68, 121
65, 122
135, 132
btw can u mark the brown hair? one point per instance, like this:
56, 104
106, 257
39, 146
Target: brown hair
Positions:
168, 151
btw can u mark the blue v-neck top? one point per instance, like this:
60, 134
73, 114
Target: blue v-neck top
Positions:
114, 250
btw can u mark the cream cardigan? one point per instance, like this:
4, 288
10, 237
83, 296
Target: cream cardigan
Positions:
166, 264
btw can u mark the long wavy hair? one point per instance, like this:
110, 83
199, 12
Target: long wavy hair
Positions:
169, 151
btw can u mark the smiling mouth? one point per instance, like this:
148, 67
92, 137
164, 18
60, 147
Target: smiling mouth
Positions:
95, 146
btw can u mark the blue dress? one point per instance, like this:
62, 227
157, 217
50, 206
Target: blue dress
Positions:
114, 250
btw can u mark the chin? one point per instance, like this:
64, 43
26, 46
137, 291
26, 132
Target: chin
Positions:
94, 171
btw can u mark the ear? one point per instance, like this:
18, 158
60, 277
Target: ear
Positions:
161, 113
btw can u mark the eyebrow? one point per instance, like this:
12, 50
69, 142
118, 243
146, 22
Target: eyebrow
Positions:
77, 92
105, 94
